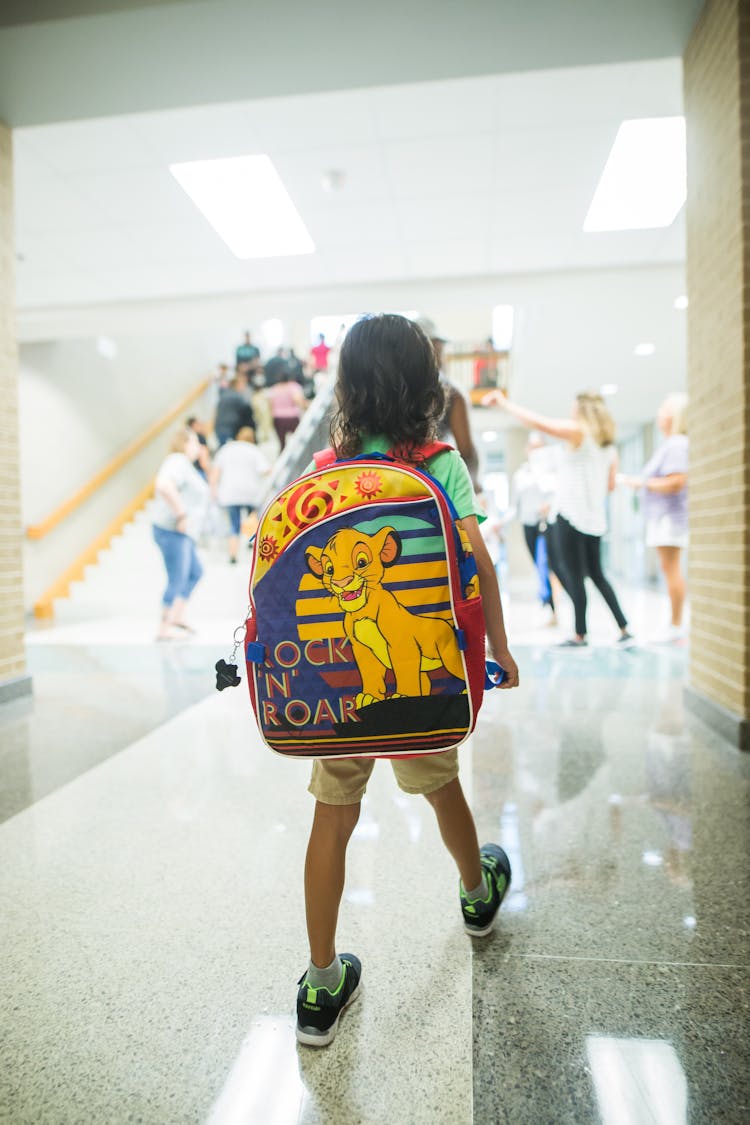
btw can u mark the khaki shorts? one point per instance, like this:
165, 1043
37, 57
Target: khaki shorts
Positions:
342, 781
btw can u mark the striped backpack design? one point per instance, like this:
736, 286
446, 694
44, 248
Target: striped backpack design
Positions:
365, 635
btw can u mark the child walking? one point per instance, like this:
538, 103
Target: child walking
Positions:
390, 398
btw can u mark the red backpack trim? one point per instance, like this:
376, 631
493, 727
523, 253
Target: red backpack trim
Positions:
416, 456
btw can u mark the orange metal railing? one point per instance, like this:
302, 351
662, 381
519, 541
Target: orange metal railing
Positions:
60, 588
81, 495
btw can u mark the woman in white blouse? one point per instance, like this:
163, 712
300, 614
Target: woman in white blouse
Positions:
587, 470
178, 512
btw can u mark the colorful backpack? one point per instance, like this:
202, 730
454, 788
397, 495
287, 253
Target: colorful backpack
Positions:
365, 635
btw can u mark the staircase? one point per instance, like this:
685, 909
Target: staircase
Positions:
120, 595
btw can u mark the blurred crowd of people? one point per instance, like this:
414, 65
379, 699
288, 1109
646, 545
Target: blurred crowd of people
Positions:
559, 495
214, 478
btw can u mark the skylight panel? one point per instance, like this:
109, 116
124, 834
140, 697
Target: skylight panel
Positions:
644, 182
244, 200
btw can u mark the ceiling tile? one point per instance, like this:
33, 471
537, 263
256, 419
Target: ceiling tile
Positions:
447, 258
469, 176
347, 224
86, 146
441, 166
46, 202
302, 174
200, 133
143, 196
458, 217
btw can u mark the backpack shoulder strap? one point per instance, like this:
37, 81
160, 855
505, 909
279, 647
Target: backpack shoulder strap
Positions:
433, 448
324, 457
421, 453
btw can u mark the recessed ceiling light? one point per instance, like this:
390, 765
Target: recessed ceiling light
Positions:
608, 389
489, 435
246, 203
681, 302
644, 182
644, 349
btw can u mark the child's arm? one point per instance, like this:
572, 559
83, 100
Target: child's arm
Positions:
493, 609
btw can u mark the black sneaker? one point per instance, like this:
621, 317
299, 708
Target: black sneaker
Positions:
318, 1010
479, 914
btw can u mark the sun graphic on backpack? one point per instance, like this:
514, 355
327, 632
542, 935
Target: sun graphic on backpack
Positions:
268, 548
368, 485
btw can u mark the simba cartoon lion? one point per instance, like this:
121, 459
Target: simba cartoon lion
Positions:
383, 633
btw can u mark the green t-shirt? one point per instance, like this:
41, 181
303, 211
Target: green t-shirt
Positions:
447, 468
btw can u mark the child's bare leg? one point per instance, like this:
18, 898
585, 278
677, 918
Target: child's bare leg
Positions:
325, 868
458, 831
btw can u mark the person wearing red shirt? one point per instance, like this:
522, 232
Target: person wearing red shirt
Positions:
320, 354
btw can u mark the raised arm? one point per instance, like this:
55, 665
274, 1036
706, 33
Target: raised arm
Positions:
566, 429
673, 482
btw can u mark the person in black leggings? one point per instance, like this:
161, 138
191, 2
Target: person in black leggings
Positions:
588, 463
580, 556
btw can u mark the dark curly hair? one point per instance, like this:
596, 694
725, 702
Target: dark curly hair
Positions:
388, 383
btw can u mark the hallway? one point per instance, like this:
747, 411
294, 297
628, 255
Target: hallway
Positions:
568, 215
154, 924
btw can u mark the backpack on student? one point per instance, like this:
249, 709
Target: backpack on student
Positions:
365, 635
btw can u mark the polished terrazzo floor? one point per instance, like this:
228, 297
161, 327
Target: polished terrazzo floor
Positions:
153, 932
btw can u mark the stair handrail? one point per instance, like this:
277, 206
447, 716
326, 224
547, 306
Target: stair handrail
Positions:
62, 511
311, 434
60, 588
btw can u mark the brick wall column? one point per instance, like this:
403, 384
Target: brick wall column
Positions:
717, 107
13, 678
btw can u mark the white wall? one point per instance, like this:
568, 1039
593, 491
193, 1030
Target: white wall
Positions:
77, 410
573, 330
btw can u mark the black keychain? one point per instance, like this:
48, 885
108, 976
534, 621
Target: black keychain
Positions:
226, 670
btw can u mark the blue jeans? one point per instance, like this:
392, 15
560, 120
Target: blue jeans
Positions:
235, 511
184, 569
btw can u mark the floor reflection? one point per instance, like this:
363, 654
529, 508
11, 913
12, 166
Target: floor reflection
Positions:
264, 1084
637, 1081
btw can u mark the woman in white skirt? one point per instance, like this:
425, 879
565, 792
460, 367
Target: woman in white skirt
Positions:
663, 482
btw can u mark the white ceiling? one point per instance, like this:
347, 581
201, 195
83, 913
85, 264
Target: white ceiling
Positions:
452, 179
